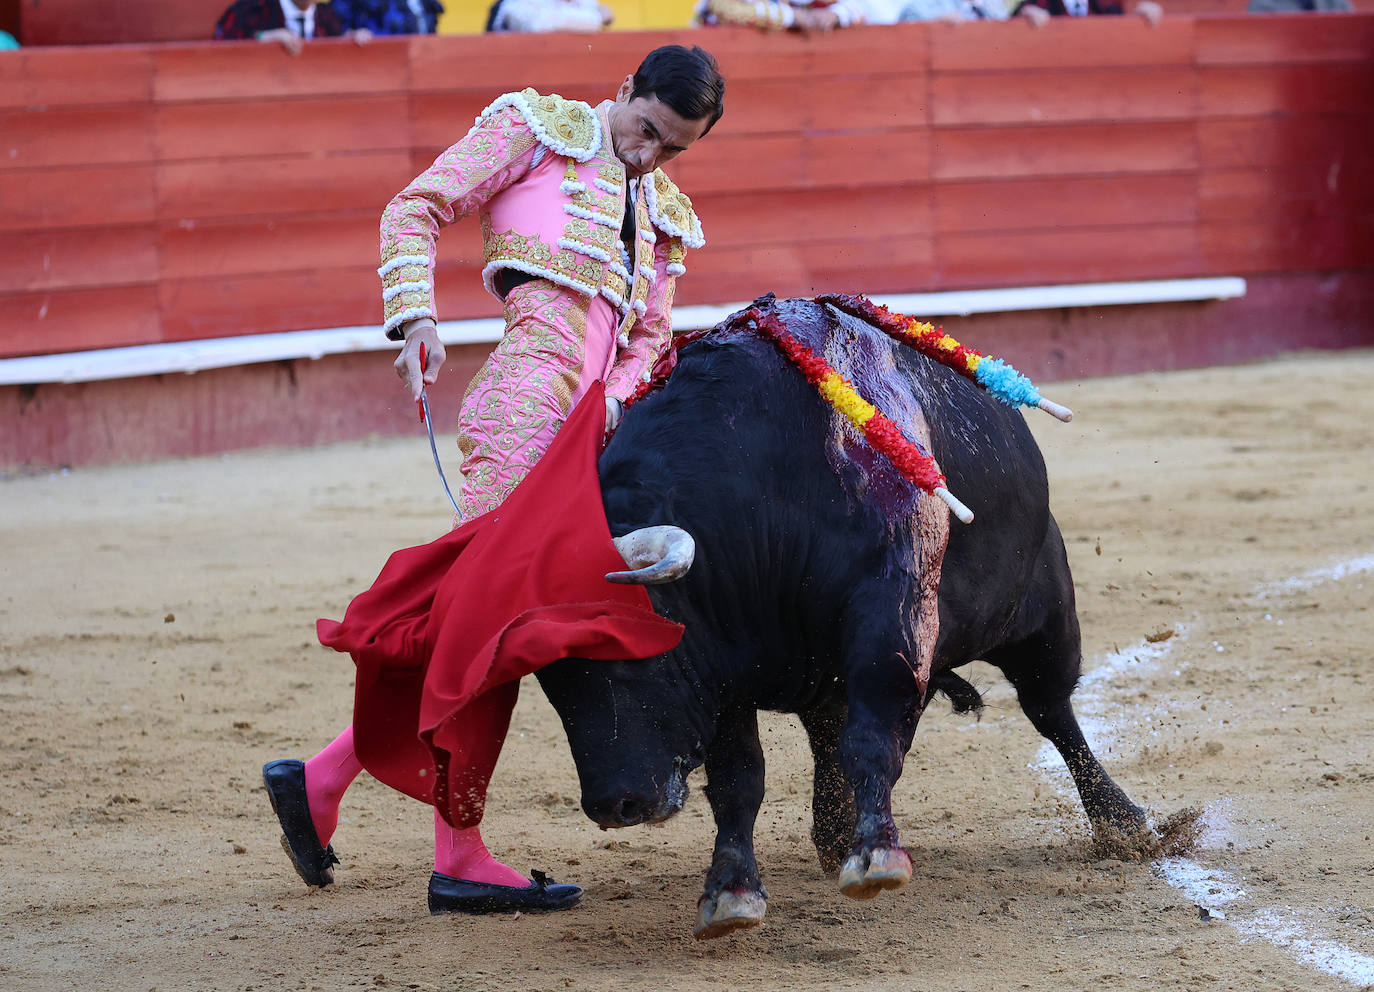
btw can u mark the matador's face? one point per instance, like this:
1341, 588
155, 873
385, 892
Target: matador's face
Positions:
646, 132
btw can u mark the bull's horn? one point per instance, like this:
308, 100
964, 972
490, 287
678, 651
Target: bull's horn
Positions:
655, 555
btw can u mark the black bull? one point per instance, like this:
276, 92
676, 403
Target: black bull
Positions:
805, 597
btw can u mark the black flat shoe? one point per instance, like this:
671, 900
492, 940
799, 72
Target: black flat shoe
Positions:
285, 781
457, 895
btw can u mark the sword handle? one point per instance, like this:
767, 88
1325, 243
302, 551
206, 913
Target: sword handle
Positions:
420, 404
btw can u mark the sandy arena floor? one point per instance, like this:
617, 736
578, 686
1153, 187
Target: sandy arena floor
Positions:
158, 647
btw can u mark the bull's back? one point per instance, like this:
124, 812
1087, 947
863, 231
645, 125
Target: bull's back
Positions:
788, 506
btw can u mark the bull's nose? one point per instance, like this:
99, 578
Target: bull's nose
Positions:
619, 811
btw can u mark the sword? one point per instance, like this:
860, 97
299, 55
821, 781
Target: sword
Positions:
422, 405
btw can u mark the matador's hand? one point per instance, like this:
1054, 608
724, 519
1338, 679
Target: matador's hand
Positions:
420, 332
614, 411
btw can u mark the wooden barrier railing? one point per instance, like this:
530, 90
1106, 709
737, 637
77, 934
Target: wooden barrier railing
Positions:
100, 22
165, 193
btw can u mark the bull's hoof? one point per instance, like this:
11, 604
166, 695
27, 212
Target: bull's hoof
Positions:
864, 875
726, 912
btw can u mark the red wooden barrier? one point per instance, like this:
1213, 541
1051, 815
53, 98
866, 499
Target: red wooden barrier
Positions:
208, 190
194, 191
168, 193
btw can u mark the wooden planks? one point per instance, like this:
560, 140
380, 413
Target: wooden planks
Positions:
1252, 195
1067, 256
33, 200
1275, 39
80, 135
805, 269
860, 214
1090, 42
242, 70
1117, 202
242, 245
1087, 149
63, 77
805, 161
159, 193
1047, 96
280, 185
1259, 91
75, 318
282, 300
867, 102
315, 126
1317, 141
95, 22
68, 258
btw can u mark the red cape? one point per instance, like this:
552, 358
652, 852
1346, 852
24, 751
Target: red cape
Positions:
500, 597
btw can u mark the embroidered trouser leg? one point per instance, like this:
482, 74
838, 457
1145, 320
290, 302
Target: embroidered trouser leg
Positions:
557, 343
522, 394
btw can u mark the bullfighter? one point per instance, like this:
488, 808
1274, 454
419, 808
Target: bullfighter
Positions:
584, 237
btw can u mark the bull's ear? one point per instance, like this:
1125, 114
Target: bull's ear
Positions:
655, 555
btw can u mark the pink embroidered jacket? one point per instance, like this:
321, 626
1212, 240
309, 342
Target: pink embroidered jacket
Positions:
551, 195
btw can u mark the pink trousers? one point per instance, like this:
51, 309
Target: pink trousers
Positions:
556, 344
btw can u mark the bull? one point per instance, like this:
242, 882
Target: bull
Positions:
824, 584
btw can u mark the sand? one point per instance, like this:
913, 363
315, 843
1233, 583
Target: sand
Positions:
158, 647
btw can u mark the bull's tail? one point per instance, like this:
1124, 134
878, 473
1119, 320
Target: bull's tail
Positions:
960, 693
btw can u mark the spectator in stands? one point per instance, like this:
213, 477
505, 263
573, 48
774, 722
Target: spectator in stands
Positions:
954, 11
797, 15
1038, 12
290, 22
549, 15
389, 16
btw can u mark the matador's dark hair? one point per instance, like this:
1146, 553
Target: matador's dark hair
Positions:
686, 79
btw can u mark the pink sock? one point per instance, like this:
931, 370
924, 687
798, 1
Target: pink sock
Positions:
327, 777
461, 854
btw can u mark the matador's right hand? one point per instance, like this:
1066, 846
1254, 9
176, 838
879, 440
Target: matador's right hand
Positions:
419, 332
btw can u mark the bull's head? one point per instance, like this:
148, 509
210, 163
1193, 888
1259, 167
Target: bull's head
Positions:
631, 724
633, 738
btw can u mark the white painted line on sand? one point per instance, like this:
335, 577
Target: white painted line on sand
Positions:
1091, 701
1293, 931
1316, 577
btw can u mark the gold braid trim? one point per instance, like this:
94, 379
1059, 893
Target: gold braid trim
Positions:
671, 211
568, 127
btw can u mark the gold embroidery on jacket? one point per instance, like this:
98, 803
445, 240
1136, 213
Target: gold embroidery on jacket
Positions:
404, 246
672, 211
571, 122
538, 257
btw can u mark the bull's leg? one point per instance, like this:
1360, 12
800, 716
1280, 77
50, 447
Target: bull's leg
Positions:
884, 707
1044, 672
832, 797
1044, 667
734, 897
